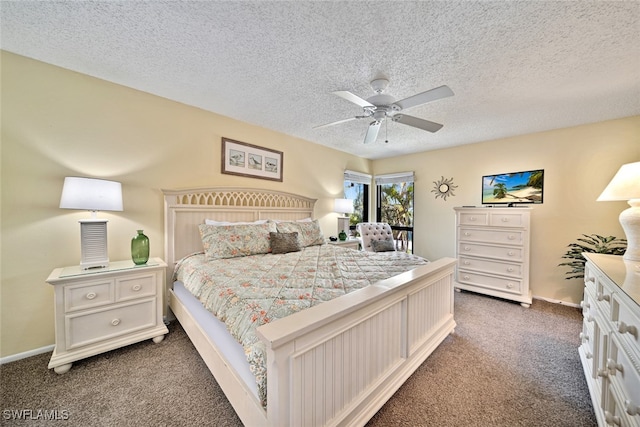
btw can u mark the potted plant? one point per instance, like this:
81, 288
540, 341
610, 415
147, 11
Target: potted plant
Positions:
593, 244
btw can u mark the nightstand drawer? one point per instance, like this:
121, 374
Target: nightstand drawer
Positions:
135, 287
493, 267
498, 252
84, 329
88, 294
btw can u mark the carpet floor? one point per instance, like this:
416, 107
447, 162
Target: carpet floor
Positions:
504, 366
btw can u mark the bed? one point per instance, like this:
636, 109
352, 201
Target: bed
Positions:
335, 363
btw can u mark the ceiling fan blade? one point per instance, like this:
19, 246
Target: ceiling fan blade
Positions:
372, 132
424, 97
417, 123
335, 123
353, 98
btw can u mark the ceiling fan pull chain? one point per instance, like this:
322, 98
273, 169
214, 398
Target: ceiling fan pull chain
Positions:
386, 131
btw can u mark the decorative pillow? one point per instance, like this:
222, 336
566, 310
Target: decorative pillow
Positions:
281, 243
229, 241
382, 245
309, 233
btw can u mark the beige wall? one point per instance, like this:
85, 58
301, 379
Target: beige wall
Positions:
578, 164
57, 123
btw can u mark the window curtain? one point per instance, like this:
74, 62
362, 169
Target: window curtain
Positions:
394, 178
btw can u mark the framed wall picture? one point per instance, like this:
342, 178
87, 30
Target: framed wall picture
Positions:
240, 158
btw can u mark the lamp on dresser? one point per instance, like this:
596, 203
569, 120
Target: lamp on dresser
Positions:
625, 185
345, 207
93, 195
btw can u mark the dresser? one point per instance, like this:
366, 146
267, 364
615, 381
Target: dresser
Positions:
492, 249
98, 310
610, 338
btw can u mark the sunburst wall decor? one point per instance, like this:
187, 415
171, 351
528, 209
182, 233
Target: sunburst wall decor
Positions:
444, 188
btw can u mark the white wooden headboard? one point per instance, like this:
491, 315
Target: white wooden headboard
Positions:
185, 209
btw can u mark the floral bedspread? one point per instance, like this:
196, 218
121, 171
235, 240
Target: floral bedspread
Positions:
247, 292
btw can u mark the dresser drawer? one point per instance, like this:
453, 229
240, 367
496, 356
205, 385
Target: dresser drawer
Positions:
624, 375
627, 323
509, 237
84, 329
473, 218
132, 287
88, 295
502, 219
515, 254
485, 281
492, 267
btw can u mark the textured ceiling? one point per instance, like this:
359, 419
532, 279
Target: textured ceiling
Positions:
515, 67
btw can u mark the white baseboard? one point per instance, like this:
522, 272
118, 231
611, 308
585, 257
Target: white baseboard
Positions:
26, 354
557, 301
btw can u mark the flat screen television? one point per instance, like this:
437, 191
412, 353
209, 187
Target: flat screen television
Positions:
513, 188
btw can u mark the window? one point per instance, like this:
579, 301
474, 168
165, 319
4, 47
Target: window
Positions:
356, 187
394, 205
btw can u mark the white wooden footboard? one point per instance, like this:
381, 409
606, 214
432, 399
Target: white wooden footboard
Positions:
339, 362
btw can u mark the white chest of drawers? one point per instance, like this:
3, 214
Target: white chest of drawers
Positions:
492, 248
104, 309
610, 338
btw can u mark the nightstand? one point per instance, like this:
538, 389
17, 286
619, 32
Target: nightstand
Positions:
349, 243
102, 309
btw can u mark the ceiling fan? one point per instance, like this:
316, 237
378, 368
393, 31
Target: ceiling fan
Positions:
380, 107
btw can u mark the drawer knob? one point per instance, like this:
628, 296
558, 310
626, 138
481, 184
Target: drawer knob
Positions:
510, 269
590, 279
115, 322
602, 297
589, 318
612, 365
136, 287
631, 408
91, 295
584, 304
466, 262
511, 237
467, 248
584, 337
505, 219
603, 373
465, 277
472, 218
509, 285
511, 253
611, 419
623, 328
466, 233
589, 355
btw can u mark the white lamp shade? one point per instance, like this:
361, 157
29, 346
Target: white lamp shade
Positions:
343, 206
625, 185
91, 194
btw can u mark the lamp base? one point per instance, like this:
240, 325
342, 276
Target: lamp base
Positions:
93, 243
630, 221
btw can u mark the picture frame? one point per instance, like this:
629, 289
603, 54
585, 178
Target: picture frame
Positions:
243, 159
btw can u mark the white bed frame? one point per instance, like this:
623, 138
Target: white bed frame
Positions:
333, 364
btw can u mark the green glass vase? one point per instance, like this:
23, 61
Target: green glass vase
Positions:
342, 235
140, 248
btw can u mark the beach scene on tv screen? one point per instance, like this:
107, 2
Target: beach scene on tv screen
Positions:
519, 187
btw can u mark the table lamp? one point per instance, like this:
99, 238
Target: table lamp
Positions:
92, 195
625, 185
345, 207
